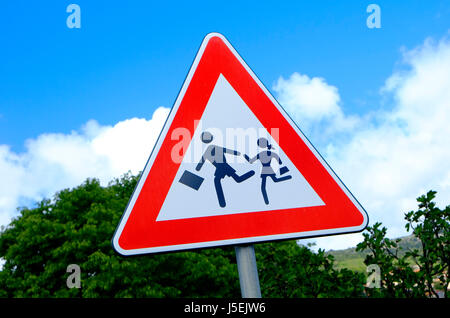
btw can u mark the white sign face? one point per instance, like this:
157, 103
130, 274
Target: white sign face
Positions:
227, 112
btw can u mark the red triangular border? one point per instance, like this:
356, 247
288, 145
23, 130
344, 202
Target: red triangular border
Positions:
138, 231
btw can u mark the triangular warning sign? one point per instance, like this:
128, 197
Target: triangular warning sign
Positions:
231, 167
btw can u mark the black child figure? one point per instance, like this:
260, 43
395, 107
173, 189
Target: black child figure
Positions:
266, 157
216, 155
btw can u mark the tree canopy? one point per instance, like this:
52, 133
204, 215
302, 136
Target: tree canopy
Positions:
416, 272
76, 227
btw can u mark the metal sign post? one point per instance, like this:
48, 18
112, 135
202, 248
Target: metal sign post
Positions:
248, 271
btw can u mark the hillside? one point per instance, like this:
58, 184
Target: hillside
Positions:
349, 258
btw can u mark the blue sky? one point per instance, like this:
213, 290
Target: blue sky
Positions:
130, 57
90, 102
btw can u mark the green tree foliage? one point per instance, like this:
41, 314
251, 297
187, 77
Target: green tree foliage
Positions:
289, 270
431, 226
397, 276
76, 227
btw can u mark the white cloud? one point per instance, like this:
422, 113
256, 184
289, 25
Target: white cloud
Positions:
52, 162
309, 98
406, 152
314, 105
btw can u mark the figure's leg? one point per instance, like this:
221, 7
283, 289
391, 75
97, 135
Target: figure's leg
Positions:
219, 192
244, 177
275, 179
263, 189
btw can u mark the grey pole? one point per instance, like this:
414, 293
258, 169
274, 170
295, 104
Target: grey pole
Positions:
248, 271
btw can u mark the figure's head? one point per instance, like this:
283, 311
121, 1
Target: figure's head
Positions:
206, 137
263, 143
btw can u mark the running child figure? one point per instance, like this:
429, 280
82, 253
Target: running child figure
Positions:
265, 157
